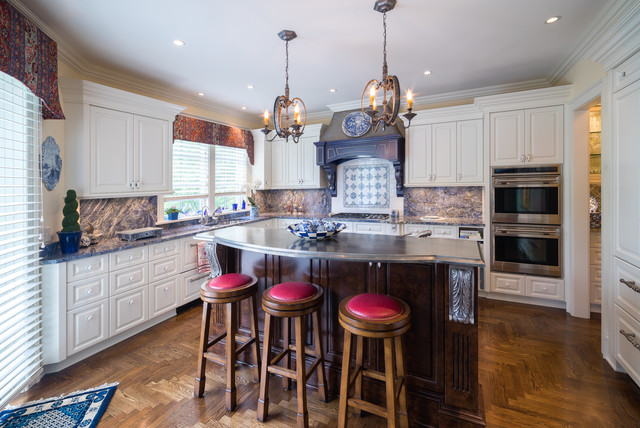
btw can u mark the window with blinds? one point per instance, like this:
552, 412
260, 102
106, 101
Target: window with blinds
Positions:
190, 177
230, 176
20, 238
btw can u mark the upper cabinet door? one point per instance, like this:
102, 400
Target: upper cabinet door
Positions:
626, 173
418, 156
543, 138
507, 138
308, 170
112, 149
470, 152
153, 155
278, 164
443, 149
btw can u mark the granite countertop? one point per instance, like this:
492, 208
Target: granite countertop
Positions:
110, 245
349, 246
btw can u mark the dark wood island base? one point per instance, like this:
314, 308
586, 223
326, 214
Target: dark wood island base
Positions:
441, 347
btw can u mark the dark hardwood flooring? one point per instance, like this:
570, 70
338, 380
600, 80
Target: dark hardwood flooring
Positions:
539, 367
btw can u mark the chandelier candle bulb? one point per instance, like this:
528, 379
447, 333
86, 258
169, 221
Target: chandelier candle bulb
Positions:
266, 118
372, 97
409, 99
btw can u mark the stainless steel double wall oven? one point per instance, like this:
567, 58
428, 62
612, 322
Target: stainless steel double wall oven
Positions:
526, 231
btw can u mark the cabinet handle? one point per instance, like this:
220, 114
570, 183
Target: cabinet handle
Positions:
379, 265
631, 284
137, 185
199, 277
522, 158
459, 177
370, 264
631, 338
89, 318
430, 177
622, 75
528, 157
193, 245
131, 185
435, 177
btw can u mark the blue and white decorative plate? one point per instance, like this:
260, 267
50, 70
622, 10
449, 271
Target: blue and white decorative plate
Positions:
355, 124
316, 229
51, 163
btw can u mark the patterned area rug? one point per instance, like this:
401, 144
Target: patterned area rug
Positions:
81, 409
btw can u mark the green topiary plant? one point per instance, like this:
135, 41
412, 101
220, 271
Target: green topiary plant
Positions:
70, 212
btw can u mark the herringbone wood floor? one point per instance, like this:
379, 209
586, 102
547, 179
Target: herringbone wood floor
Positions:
539, 367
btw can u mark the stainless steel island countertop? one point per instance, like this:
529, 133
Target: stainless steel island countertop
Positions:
349, 246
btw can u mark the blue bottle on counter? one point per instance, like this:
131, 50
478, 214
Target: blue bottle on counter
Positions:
244, 204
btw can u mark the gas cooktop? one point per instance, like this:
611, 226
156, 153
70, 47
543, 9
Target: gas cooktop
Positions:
361, 216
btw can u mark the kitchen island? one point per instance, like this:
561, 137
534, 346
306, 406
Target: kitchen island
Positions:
437, 277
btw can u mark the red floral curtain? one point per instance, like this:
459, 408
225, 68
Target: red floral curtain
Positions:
201, 131
30, 56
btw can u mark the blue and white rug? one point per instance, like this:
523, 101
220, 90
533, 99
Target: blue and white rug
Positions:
80, 409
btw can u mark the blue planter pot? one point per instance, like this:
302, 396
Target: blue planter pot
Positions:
69, 241
172, 216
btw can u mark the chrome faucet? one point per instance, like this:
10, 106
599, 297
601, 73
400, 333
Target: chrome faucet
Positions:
208, 220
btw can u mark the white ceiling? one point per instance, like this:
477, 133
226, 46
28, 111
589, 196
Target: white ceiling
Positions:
467, 44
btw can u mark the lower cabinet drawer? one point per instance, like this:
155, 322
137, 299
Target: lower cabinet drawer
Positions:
90, 290
128, 279
163, 296
444, 232
626, 286
627, 342
163, 268
506, 283
546, 288
190, 286
370, 228
128, 310
87, 326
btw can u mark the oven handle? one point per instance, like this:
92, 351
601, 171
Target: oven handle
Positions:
525, 181
527, 232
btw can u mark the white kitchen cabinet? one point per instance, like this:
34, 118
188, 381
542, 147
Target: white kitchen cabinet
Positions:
87, 326
191, 282
445, 153
530, 136
288, 165
437, 230
163, 296
527, 285
119, 143
128, 310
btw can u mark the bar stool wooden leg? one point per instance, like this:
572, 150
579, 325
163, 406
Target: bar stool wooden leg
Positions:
360, 368
253, 311
198, 390
263, 400
320, 371
286, 341
402, 388
230, 392
390, 378
344, 380
301, 375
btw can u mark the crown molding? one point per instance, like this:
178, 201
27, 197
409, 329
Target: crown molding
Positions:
446, 114
526, 99
426, 100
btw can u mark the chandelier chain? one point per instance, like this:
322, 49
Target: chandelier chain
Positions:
286, 69
385, 70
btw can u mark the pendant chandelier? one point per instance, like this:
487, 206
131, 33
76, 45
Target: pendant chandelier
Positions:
282, 105
387, 113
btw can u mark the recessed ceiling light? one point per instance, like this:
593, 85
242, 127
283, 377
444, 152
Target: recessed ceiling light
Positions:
427, 72
244, 108
250, 87
178, 42
552, 19
201, 94
333, 90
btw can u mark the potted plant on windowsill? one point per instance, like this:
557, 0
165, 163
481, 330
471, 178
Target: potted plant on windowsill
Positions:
71, 233
172, 213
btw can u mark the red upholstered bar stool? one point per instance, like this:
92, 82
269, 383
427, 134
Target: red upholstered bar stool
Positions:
292, 300
228, 289
375, 316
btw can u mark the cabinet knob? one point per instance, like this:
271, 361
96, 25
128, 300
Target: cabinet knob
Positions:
379, 265
130, 278
130, 257
89, 317
166, 268
166, 289
89, 267
89, 291
131, 302
166, 249
544, 288
622, 75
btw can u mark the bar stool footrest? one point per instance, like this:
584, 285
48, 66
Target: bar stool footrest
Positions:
367, 407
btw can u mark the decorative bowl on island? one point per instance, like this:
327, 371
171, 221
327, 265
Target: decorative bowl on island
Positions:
316, 229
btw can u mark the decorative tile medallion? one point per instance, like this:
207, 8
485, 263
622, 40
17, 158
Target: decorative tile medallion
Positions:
366, 184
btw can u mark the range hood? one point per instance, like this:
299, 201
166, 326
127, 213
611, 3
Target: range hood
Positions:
334, 149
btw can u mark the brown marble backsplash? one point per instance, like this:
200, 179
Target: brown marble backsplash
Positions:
461, 202
312, 201
111, 215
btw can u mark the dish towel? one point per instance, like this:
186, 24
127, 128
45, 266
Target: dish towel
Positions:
203, 263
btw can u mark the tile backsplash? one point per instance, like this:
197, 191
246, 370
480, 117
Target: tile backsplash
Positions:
366, 184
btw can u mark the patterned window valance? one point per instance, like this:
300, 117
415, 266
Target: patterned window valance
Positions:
30, 56
202, 131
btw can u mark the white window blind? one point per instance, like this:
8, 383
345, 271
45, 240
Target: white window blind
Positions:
20, 238
190, 170
231, 169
